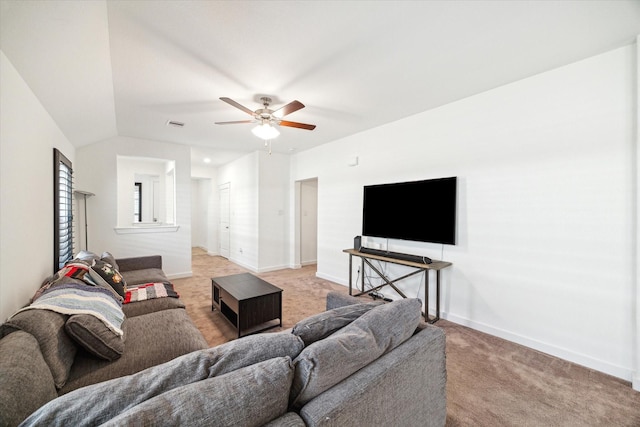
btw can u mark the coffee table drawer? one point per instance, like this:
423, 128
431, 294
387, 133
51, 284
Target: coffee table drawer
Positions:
231, 302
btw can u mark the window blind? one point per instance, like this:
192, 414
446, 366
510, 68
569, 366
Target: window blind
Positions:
63, 210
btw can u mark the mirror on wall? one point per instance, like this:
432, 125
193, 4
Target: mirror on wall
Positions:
146, 192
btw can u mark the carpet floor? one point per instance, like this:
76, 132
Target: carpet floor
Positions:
490, 381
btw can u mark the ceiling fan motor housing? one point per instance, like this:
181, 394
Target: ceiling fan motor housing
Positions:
265, 115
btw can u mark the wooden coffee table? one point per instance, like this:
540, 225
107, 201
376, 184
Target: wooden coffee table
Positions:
246, 301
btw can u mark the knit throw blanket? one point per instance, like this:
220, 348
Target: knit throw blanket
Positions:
150, 291
71, 298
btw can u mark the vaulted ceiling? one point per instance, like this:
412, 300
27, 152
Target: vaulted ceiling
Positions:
108, 68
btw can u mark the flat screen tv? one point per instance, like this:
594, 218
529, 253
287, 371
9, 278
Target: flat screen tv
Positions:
422, 211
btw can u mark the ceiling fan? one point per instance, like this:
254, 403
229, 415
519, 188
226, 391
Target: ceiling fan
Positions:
268, 117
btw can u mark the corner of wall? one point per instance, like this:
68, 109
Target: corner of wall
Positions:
636, 225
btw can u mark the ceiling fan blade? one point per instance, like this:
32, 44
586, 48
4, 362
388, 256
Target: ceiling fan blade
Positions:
288, 109
238, 106
235, 122
297, 125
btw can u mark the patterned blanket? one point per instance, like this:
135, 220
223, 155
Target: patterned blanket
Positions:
72, 298
150, 291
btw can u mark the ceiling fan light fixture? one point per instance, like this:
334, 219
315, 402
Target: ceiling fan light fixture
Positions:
265, 131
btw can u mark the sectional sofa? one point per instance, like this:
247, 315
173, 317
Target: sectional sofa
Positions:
356, 364
46, 354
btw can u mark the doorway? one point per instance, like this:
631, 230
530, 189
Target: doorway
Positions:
225, 221
307, 222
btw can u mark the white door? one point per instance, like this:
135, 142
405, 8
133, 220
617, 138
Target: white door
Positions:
225, 235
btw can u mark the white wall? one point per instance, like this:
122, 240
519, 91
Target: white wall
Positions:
259, 200
198, 214
96, 171
243, 174
545, 227
274, 208
28, 136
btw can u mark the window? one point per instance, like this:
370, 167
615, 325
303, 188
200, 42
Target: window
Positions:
151, 182
137, 202
62, 210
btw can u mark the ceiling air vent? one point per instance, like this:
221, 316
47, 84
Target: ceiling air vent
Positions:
175, 123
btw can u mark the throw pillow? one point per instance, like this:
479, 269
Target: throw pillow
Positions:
109, 259
94, 336
58, 349
322, 325
151, 382
144, 276
26, 380
86, 256
250, 396
325, 363
105, 274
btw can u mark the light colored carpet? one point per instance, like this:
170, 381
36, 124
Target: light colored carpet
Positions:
491, 382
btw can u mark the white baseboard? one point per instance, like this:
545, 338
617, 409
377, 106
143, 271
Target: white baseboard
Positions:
272, 268
243, 265
635, 383
338, 280
562, 353
183, 275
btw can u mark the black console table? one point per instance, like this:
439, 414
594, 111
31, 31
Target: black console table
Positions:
418, 268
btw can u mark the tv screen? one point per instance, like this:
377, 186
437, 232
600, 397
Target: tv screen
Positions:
423, 211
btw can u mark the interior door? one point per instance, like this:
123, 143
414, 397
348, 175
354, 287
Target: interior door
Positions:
225, 221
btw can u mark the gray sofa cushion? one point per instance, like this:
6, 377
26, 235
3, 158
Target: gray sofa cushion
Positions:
139, 263
152, 339
250, 396
338, 299
405, 387
94, 409
138, 308
94, 336
378, 331
58, 349
26, 380
322, 325
89, 407
143, 276
290, 419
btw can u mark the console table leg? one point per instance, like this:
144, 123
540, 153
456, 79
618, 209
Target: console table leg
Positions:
362, 274
426, 295
437, 316
350, 272
437, 295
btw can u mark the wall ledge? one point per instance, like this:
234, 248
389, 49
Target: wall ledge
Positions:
153, 229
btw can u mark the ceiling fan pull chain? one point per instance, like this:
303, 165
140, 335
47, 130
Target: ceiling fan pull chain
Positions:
267, 144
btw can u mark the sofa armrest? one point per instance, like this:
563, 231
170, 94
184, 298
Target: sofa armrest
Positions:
139, 263
337, 299
405, 387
